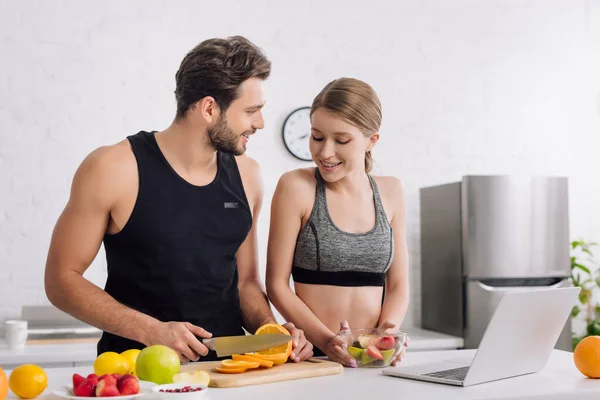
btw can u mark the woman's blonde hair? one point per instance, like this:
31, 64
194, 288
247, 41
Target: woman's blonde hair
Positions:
356, 103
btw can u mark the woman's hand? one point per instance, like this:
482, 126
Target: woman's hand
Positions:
385, 328
336, 348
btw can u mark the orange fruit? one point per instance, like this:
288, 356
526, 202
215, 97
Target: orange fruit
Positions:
263, 363
224, 370
3, 385
239, 364
284, 349
276, 359
587, 356
28, 381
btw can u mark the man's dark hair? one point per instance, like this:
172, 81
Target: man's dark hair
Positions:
216, 68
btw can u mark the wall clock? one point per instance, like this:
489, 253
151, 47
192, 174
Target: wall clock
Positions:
296, 133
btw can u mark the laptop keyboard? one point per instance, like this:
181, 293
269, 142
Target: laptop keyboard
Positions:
454, 374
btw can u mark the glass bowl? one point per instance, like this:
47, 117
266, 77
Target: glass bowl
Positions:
372, 348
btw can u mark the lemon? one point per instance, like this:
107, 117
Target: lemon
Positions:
28, 381
111, 363
131, 357
199, 377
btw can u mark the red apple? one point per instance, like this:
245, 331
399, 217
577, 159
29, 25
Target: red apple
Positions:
373, 352
87, 388
386, 343
107, 389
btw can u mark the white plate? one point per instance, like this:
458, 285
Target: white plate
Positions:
66, 392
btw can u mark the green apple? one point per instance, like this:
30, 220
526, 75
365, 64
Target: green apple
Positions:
157, 364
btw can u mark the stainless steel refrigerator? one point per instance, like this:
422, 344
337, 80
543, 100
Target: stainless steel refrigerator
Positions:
486, 235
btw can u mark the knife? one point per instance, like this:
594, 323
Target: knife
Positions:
228, 345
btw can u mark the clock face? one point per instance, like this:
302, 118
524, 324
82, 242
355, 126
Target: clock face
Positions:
296, 133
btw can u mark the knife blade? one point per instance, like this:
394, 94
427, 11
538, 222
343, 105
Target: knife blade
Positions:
228, 345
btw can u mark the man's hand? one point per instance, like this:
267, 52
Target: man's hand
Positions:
301, 348
181, 337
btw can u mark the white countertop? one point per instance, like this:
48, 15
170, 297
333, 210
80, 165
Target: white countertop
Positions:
558, 380
420, 340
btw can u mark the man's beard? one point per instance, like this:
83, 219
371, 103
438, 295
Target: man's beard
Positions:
222, 138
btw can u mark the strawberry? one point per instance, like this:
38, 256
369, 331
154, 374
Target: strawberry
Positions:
94, 376
129, 385
106, 388
108, 378
87, 388
77, 379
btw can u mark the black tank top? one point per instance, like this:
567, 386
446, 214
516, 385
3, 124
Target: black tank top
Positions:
175, 259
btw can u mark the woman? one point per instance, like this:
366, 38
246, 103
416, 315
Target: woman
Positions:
338, 230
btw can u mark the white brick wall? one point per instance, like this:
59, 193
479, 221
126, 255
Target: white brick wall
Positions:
468, 87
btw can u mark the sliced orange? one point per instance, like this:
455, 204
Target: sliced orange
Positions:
277, 359
284, 349
231, 370
263, 363
240, 364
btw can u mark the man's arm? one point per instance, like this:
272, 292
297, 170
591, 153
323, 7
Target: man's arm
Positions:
75, 243
253, 298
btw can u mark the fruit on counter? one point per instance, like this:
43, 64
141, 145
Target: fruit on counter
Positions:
587, 356
110, 362
106, 385
276, 359
265, 358
185, 389
110, 379
87, 388
236, 366
158, 364
198, 377
128, 385
107, 388
285, 348
77, 379
28, 381
131, 357
3, 385
262, 362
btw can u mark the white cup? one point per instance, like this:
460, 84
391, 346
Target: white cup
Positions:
16, 333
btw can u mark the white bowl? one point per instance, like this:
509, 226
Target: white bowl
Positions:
197, 395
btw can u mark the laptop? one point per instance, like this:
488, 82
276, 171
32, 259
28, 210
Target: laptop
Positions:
518, 340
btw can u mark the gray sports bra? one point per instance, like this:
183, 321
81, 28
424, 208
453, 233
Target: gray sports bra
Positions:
326, 255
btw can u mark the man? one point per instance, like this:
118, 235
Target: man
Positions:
177, 213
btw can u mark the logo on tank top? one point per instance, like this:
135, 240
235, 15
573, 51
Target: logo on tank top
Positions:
230, 205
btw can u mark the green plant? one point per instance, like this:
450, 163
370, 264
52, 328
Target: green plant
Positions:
585, 274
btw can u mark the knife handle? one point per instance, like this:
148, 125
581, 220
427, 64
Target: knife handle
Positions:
209, 343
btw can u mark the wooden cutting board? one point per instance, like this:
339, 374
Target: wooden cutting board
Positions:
285, 372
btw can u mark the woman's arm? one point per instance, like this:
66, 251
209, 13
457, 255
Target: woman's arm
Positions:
286, 220
396, 288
